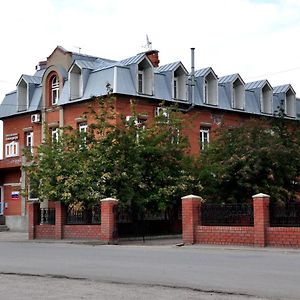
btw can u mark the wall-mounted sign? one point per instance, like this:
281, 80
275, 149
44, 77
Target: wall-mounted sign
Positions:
15, 195
12, 137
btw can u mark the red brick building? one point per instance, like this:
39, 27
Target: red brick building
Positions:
62, 86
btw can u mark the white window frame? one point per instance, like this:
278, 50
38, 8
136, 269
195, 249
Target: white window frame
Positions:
82, 127
175, 88
54, 134
205, 91
204, 137
141, 82
12, 149
54, 90
29, 141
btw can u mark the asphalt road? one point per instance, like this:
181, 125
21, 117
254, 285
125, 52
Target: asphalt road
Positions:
266, 273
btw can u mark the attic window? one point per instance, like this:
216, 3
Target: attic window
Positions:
22, 94
210, 89
54, 89
76, 84
238, 94
145, 78
290, 101
266, 100
179, 84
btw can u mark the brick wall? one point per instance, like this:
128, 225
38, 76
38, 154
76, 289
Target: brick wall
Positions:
259, 235
45, 231
105, 232
283, 236
82, 232
225, 235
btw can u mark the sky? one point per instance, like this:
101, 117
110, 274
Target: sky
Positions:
259, 39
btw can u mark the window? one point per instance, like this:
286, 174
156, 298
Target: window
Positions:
29, 141
204, 137
54, 134
145, 77
205, 91
12, 149
210, 89
141, 82
175, 88
54, 90
82, 127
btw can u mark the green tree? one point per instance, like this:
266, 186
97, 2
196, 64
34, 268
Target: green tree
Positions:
143, 164
257, 156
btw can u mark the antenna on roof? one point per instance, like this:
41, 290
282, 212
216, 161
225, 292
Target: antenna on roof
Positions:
148, 45
79, 49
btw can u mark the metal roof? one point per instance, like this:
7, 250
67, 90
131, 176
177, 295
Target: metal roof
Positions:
122, 77
204, 72
230, 78
256, 84
168, 67
282, 89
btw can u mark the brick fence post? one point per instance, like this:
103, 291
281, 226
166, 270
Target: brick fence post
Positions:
261, 219
60, 219
33, 212
108, 219
190, 218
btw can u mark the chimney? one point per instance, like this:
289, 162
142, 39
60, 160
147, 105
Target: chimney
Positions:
41, 65
153, 56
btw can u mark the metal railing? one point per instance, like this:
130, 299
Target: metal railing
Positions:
286, 215
84, 216
227, 214
47, 216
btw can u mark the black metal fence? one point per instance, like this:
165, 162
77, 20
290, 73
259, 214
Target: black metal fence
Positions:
227, 214
82, 216
47, 216
131, 223
285, 215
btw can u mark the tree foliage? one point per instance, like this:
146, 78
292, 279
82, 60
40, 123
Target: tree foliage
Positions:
143, 164
259, 156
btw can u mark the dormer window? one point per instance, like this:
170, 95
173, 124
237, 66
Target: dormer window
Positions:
210, 89
238, 94
22, 94
175, 88
141, 82
76, 83
179, 83
54, 90
290, 102
145, 77
266, 99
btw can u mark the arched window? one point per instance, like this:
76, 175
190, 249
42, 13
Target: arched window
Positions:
54, 89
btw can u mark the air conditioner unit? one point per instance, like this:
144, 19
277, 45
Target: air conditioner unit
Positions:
36, 118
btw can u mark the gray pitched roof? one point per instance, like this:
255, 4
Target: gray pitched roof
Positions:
168, 67
256, 84
282, 88
122, 77
203, 72
230, 78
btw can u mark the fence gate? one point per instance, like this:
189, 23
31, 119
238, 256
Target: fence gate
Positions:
140, 224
